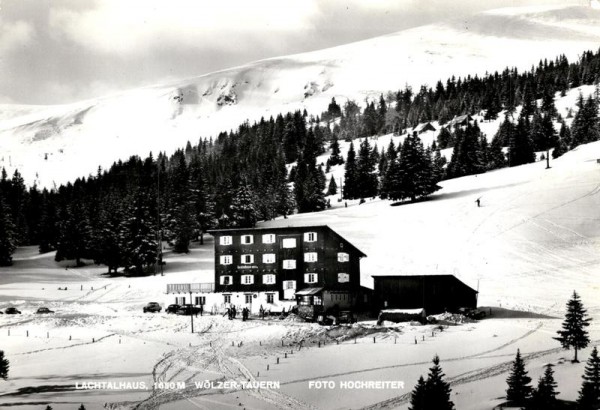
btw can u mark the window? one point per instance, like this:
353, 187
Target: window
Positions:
269, 258
180, 300
268, 279
248, 298
247, 279
247, 258
343, 257
225, 240
226, 259
247, 239
289, 243
310, 257
226, 280
289, 264
343, 277
268, 238
310, 278
270, 297
200, 300
310, 237
317, 301
226, 298
289, 284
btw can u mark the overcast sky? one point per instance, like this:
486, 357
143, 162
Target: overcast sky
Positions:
60, 51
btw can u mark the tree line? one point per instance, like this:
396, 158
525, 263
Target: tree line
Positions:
270, 168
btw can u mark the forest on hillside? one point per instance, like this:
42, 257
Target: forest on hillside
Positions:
119, 216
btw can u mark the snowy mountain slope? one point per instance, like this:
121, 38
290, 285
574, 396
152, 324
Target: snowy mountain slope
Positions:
59, 143
535, 238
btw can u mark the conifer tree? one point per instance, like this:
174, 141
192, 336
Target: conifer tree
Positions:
4, 366
243, 208
519, 389
74, 234
418, 397
589, 395
8, 242
332, 188
521, 150
350, 175
335, 158
437, 390
544, 396
140, 243
573, 333
366, 178
108, 239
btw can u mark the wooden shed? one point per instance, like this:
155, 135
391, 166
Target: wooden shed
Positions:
434, 293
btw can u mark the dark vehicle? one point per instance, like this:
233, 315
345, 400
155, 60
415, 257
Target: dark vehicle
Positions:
44, 310
472, 313
172, 308
188, 310
346, 316
12, 311
152, 307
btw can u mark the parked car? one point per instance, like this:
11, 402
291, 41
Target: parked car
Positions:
12, 311
472, 313
188, 310
152, 307
43, 310
346, 316
172, 308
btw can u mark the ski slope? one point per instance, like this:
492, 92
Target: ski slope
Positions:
55, 144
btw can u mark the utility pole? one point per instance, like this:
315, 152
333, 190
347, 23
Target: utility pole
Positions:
191, 308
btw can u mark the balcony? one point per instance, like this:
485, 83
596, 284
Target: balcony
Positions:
191, 287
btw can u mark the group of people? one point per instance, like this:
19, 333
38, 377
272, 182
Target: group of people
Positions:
231, 313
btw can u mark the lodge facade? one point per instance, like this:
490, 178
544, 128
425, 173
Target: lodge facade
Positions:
277, 268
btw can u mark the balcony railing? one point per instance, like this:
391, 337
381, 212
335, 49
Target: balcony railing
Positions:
191, 287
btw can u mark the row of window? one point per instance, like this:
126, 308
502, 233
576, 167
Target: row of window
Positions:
268, 239
248, 298
287, 263
269, 279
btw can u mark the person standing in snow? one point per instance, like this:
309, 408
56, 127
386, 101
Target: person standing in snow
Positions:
478, 201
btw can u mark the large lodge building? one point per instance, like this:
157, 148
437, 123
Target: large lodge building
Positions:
277, 268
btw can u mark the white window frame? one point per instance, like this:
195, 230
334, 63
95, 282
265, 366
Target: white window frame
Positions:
289, 264
311, 257
269, 238
247, 280
311, 278
343, 257
289, 284
244, 238
288, 243
343, 278
248, 298
222, 279
270, 298
225, 240
244, 261
200, 300
226, 298
310, 236
226, 259
269, 258
269, 279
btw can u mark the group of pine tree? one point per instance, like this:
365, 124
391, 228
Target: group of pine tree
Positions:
574, 335
434, 392
270, 168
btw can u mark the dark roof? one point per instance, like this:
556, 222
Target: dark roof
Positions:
281, 228
423, 276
